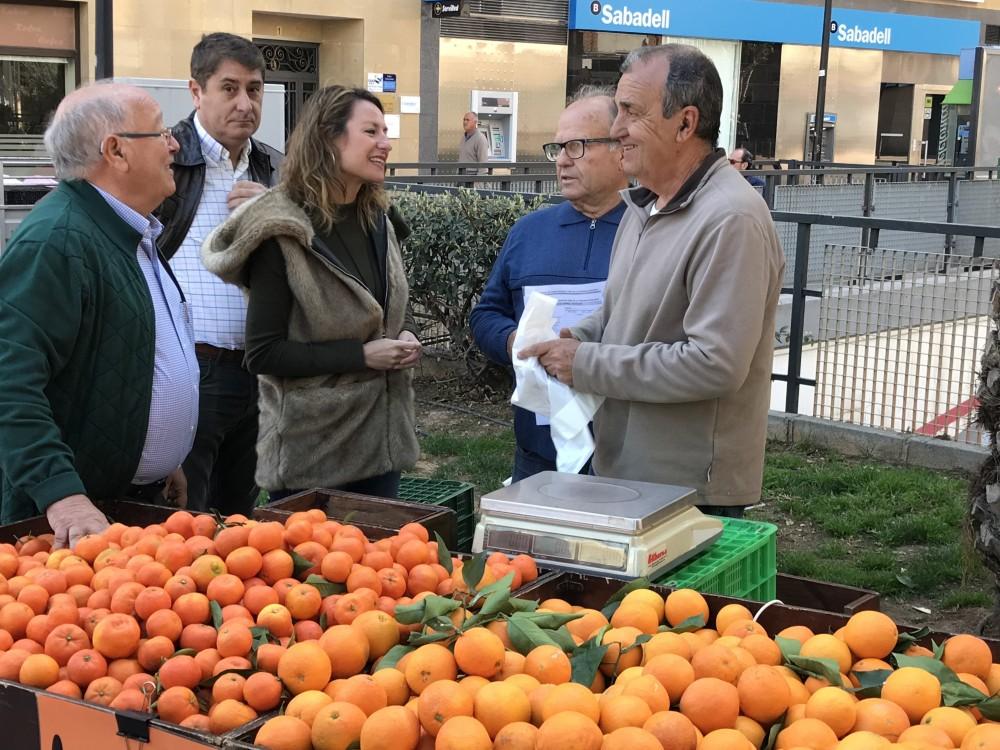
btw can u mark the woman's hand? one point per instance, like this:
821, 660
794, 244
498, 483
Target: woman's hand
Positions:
392, 354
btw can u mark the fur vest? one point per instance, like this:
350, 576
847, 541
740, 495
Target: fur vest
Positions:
322, 431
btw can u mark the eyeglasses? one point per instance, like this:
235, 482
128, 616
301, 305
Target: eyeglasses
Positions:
165, 134
575, 148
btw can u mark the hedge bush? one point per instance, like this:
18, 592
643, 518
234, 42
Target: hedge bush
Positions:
456, 238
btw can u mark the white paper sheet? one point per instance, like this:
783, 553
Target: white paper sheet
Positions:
574, 302
570, 412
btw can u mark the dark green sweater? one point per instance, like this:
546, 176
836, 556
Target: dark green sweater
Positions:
76, 354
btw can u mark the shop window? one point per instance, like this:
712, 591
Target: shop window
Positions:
992, 36
757, 108
30, 90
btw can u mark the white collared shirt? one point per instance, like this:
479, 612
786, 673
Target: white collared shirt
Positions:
220, 311
173, 406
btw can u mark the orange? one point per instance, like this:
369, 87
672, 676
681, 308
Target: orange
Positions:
229, 714
870, 634
193, 608
39, 670
441, 701
983, 737
569, 730
65, 640
764, 693
711, 703
180, 670
881, 717
393, 681
621, 653
306, 705
117, 636
717, 661
636, 614
176, 704
927, 735
480, 652
284, 733
649, 689
571, 696
346, 648
834, 707
154, 651
955, 722
226, 589
914, 690
391, 728
362, 691
380, 630
548, 665
234, 639
683, 604
427, 664
303, 601
228, 686
262, 691
725, 739
336, 726
825, 646
500, 703
519, 735
967, 653
304, 666
811, 733
102, 691
277, 619
86, 666
267, 536
673, 672
463, 733
623, 711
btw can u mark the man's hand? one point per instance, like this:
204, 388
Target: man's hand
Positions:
175, 491
73, 517
510, 343
243, 191
556, 356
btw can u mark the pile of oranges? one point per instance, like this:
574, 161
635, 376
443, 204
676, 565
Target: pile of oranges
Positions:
211, 625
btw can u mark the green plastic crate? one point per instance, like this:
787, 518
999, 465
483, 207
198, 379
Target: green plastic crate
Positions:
459, 496
741, 563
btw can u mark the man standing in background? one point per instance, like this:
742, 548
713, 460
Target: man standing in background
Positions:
561, 250
218, 167
474, 147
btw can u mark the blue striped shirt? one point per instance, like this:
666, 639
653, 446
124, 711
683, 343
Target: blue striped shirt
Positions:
173, 410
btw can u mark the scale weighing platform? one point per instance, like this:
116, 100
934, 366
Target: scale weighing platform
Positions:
599, 525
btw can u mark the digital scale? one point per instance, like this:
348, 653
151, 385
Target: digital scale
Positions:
610, 527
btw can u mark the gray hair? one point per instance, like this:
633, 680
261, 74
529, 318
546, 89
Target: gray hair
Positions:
692, 80
81, 122
593, 91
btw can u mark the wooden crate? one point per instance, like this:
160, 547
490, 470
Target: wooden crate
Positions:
827, 597
377, 517
594, 592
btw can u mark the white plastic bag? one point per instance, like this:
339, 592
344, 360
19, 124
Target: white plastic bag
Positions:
568, 411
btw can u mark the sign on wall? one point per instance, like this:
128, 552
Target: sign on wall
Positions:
760, 21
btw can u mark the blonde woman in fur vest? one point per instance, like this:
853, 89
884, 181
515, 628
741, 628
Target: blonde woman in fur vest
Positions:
328, 330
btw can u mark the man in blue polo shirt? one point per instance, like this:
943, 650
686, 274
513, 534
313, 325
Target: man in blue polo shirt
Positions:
562, 250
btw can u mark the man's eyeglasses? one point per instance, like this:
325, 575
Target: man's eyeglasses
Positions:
165, 134
575, 148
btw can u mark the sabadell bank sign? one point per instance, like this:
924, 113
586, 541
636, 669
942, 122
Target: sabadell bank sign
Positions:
761, 21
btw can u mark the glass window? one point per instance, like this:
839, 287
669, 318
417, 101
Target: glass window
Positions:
30, 90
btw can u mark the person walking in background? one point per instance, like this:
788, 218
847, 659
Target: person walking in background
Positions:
562, 250
218, 167
683, 344
100, 380
328, 330
474, 147
742, 159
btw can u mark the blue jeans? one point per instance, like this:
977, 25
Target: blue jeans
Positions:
221, 465
382, 485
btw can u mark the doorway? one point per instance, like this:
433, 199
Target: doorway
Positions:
295, 65
930, 141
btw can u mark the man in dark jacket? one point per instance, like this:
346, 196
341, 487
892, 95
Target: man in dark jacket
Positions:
562, 250
100, 380
218, 167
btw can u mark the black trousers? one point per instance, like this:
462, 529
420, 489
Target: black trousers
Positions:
221, 465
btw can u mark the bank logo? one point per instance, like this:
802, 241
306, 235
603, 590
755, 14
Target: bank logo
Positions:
858, 35
625, 16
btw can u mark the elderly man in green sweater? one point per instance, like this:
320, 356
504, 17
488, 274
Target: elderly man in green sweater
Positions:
683, 344
100, 380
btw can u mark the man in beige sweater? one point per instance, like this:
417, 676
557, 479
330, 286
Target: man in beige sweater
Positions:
683, 344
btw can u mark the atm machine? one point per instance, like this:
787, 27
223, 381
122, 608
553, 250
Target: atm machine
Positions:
497, 112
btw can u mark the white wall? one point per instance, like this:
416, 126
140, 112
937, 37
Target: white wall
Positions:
726, 56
